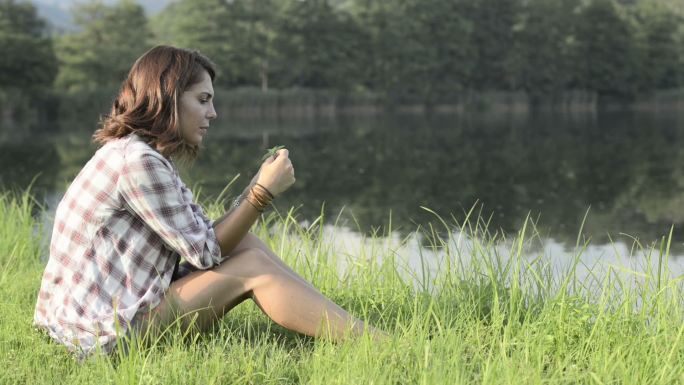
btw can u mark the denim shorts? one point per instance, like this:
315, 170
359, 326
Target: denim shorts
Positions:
181, 270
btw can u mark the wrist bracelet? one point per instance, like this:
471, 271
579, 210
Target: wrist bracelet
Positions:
255, 205
259, 198
265, 189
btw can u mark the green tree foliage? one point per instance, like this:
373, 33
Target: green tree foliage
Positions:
607, 54
658, 41
443, 35
493, 24
204, 25
27, 58
543, 53
419, 49
319, 46
237, 35
431, 50
111, 38
381, 51
253, 26
424, 51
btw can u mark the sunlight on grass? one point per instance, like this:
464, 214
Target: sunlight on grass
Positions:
472, 306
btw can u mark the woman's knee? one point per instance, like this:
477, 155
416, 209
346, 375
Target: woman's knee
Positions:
251, 263
252, 241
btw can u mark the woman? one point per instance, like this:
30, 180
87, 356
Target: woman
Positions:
127, 219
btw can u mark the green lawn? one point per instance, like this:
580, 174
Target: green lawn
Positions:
472, 323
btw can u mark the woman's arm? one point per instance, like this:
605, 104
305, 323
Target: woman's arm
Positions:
151, 190
240, 198
234, 225
277, 175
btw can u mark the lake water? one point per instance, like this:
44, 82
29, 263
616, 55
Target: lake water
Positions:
625, 168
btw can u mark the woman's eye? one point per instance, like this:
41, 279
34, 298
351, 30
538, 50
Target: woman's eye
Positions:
204, 101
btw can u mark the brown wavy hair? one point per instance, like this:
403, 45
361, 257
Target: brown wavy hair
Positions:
147, 104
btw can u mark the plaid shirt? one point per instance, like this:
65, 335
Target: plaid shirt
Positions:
118, 232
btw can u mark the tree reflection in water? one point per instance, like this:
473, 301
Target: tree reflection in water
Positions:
627, 167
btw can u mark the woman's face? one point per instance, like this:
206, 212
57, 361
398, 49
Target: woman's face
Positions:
196, 109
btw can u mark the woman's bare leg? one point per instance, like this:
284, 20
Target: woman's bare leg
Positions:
251, 273
251, 241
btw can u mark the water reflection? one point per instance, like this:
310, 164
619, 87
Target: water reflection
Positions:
29, 161
623, 165
626, 166
619, 263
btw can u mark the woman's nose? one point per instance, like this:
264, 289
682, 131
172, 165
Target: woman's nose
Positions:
212, 112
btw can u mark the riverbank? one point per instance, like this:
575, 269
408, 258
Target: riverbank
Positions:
74, 109
499, 318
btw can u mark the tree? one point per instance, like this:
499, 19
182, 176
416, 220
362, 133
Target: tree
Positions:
237, 35
253, 26
660, 49
381, 51
607, 57
543, 47
110, 40
318, 46
492, 36
207, 26
419, 49
28, 59
443, 35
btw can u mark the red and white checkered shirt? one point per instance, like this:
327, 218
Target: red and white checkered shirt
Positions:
118, 232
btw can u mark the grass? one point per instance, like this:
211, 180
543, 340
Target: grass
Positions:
489, 314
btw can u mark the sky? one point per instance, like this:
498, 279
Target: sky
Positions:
57, 12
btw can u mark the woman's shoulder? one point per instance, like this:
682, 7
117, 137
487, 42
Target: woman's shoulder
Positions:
129, 157
132, 148
138, 155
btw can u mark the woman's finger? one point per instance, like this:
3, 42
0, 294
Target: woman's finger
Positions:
268, 160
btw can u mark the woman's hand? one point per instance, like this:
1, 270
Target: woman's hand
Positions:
277, 173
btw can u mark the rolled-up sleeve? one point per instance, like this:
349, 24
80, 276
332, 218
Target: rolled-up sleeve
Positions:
151, 189
196, 209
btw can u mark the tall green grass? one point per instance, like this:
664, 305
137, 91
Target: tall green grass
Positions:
20, 234
476, 309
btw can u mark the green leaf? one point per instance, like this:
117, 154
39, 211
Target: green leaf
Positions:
271, 152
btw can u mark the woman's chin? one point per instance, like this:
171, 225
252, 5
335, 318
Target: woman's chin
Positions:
196, 140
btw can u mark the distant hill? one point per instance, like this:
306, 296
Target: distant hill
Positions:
58, 12
57, 15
